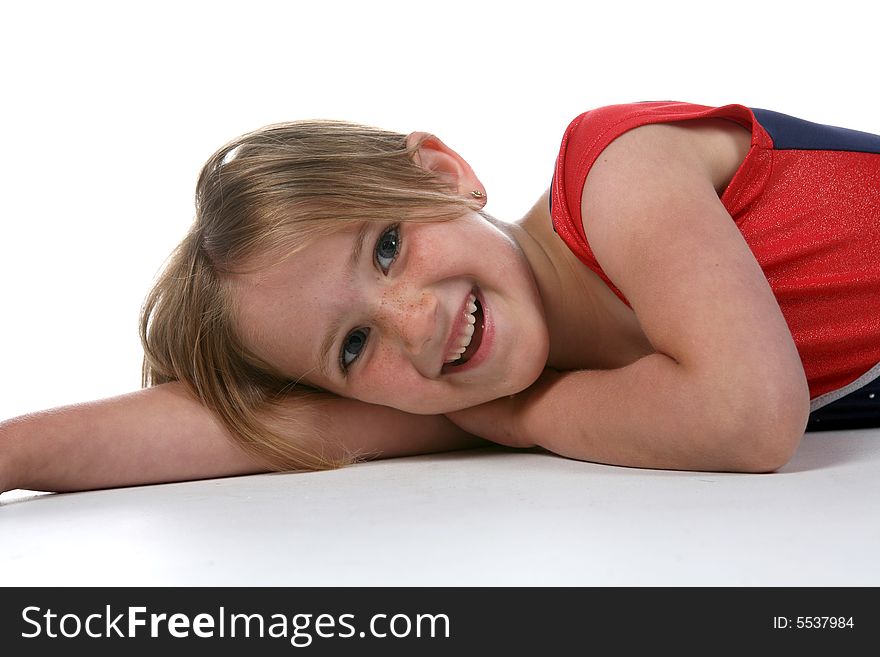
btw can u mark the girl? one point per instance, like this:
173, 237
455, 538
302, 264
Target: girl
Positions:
692, 285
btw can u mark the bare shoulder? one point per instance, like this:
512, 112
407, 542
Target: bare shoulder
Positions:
722, 146
717, 146
665, 168
677, 169
714, 148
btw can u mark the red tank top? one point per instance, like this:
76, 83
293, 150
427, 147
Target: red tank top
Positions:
806, 199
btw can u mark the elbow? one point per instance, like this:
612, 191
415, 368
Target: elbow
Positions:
767, 436
767, 453
761, 451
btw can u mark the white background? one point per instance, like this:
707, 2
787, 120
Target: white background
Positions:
109, 110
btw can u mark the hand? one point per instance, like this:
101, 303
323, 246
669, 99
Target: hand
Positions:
508, 420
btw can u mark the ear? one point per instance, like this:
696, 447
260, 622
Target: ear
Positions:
433, 155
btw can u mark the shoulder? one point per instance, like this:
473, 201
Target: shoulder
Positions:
712, 140
712, 148
651, 186
708, 141
658, 165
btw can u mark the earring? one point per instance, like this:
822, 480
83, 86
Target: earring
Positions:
477, 194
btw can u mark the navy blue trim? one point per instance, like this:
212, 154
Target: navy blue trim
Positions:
789, 132
859, 409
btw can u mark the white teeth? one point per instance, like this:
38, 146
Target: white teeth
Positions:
467, 332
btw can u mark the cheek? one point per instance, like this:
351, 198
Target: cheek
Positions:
388, 379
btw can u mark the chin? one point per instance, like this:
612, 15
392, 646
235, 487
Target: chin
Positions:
511, 383
436, 407
513, 387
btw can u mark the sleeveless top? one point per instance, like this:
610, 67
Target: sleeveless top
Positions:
806, 199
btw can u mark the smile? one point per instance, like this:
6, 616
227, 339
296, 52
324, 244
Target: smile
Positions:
467, 334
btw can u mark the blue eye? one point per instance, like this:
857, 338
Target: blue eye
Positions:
387, 250
352, 346
387, 247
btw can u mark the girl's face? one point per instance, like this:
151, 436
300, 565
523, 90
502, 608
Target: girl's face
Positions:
378, 313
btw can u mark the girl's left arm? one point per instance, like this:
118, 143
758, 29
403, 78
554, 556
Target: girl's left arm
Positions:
725, 389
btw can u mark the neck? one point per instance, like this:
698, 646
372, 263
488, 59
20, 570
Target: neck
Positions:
589, 327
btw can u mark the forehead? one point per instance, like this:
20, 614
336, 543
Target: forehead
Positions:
323, 254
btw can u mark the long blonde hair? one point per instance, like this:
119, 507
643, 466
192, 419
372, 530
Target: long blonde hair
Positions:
272, 191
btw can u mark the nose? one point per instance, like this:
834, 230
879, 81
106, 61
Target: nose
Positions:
410, 316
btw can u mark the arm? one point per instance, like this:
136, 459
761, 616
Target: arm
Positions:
648, 414
725, 389
163, 434
726, 361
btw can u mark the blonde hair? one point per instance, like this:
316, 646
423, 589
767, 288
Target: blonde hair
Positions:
272, 191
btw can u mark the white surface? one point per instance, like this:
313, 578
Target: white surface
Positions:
482, 517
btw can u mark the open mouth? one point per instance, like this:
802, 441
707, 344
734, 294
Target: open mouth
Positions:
476, 339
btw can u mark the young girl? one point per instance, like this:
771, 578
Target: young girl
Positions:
692, 285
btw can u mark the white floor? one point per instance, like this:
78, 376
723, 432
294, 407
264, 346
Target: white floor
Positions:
481, 517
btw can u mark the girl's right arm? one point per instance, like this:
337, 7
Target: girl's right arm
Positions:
163, 434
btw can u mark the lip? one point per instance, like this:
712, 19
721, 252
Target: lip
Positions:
482, 352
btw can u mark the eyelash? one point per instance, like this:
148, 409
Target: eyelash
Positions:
365, 332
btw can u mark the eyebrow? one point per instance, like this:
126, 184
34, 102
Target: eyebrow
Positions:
336, 325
